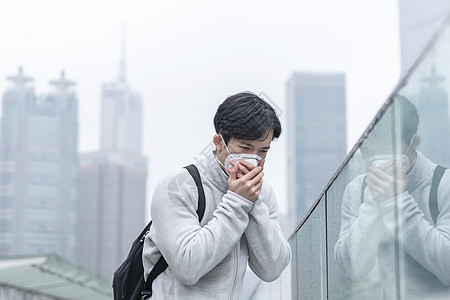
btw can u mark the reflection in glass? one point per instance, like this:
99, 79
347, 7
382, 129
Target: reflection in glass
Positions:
432, 103
388, 217
387, 211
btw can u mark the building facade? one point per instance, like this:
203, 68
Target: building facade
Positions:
121, 117
39, 169
112, 185
112, 208
316, 128
420, 22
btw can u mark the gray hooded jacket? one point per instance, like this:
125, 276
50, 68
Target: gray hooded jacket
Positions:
371, 232
209, 259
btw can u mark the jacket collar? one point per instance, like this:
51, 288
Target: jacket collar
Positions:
421, 171
211, 169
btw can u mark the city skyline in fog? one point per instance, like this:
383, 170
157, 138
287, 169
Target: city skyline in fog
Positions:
185, 59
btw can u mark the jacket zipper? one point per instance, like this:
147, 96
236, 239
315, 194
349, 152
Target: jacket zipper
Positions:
236, 260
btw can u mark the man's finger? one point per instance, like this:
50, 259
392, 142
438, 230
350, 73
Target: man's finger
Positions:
373, 186
252, 173
262, 163
245, 165
259, 184
257, 178
244, 169
233, 171
377, 178
380, 174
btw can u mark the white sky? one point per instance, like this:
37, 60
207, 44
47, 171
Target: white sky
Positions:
186, 57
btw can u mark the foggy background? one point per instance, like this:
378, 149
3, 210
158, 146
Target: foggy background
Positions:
186, 57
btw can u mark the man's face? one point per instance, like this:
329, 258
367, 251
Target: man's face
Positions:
376, 154
258, 147
236, 146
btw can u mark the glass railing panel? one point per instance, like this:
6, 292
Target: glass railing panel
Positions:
394, 238
294, 266
349, 222
428, 88
278, 289
285, 284
261, 292
310, 262
421, 225
376, 211
382, 232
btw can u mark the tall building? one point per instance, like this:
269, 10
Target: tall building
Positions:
39, 169
112, 200
316, 136
418, 21
111, 208
121, 119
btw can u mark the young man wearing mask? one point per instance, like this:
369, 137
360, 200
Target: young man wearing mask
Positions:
209, 258
389, 227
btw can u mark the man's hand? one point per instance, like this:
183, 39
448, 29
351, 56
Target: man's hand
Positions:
248, 183
245, 167
383, 183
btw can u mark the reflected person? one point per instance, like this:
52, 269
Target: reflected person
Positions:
391, 220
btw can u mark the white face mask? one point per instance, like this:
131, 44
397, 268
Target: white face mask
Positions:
235, 157
378, 160
251, 158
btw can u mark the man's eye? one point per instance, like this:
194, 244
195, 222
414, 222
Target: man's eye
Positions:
245, 148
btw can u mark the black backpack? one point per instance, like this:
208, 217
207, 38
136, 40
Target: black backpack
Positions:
128, 281
437, 175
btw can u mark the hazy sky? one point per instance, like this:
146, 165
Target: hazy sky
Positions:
186, 57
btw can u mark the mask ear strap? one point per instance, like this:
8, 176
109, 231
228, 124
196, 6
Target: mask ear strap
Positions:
225, 144
410, 143
219, 162
222, 165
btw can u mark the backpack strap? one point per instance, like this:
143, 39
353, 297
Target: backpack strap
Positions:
363, 188
161, 264
192, 169
434, 210
158, 268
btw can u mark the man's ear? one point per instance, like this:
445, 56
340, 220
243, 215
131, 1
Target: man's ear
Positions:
415, 142
217, 142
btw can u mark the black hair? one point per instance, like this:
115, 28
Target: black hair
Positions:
409, 118
246, 116
405, 117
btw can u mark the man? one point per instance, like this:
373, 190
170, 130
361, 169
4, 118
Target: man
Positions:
208, 259
389, 226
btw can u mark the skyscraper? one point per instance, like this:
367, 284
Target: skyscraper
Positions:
112, 203
39, 169
316, 136
418, 21
121, 120
111, 208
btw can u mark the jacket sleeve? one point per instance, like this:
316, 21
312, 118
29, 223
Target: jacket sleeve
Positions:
429, 245
361, 232
190, 250
269, 252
